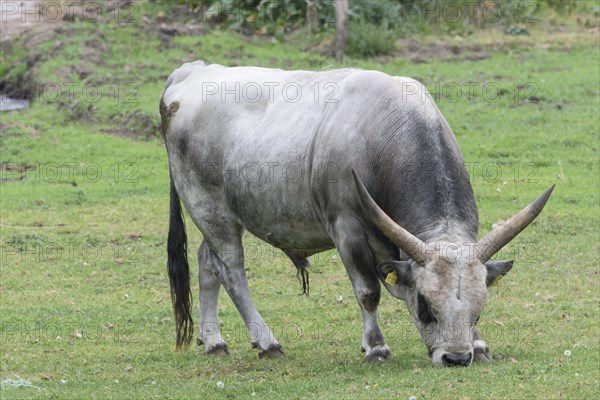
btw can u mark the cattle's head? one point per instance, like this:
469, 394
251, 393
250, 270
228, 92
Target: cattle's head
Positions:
445, 283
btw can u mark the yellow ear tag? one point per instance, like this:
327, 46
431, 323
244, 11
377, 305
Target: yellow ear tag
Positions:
497, 280
391, 278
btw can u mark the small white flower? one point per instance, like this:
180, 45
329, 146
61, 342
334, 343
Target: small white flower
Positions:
62, 381
567, 353
126, 295
58, 338
412, 398
220, 385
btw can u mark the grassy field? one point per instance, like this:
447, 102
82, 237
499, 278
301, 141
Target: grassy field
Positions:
85, 305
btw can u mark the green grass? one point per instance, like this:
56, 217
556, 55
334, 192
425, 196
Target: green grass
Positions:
84, 291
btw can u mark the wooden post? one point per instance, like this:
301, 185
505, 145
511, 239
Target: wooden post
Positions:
312, 15
341, 32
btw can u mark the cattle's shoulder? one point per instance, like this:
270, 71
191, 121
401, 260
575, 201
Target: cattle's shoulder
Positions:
403, 92
368, 80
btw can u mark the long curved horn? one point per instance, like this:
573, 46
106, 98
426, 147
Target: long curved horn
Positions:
499, 237
410, 244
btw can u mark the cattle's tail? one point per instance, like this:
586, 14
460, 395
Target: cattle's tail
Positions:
179, 272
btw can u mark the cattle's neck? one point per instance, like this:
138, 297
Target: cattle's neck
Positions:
423, 185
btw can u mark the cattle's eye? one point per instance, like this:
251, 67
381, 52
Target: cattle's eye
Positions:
424, 312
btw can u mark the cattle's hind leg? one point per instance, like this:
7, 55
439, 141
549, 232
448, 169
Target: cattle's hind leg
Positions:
228, 264
209, 330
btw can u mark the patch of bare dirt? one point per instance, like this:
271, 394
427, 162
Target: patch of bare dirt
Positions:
7, 127
167, 31
6, 166
16, 18
14, 172
135, 125
26, 29
419, 53
133, 235
178, 20
65, 73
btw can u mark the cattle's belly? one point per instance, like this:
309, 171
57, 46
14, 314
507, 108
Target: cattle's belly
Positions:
300, 237
279, 213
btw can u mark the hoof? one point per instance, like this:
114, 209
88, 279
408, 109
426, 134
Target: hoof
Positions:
219, 349
481, 352
273, 351
482, 355
378, 354
199, 342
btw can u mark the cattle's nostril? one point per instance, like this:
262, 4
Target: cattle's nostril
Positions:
457, 360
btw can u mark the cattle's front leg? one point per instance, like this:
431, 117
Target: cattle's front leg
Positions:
356, 256
373, 343
480, 349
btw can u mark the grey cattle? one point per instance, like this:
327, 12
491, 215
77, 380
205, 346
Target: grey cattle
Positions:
308, 161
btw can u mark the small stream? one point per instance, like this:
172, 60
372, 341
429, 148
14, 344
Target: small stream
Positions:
10, 104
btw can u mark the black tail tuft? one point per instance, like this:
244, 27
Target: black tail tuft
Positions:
179, 272
301, 265
303, 273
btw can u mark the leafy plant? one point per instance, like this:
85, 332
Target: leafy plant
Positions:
366, 39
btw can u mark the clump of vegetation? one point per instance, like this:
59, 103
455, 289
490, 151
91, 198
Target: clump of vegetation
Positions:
374, 25
260, 16
515, 30
366, 39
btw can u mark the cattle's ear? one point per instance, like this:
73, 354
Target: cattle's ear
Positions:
402, 269
496, 270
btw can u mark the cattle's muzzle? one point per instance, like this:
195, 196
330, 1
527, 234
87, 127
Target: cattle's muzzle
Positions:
445, 358
457, 360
